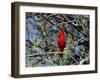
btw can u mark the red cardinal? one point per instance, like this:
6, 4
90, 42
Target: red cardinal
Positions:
61, 41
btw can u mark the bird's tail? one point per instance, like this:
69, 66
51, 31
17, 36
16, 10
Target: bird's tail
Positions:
61, 54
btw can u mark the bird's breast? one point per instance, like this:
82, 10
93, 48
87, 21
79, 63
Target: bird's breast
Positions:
61, 42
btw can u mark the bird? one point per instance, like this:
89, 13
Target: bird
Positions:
61, 41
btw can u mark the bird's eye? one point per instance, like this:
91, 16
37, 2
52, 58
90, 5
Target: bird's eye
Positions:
59, 34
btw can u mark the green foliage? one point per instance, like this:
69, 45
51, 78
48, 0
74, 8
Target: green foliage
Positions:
41, 39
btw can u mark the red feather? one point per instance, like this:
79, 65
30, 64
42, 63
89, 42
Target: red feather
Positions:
61, 41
